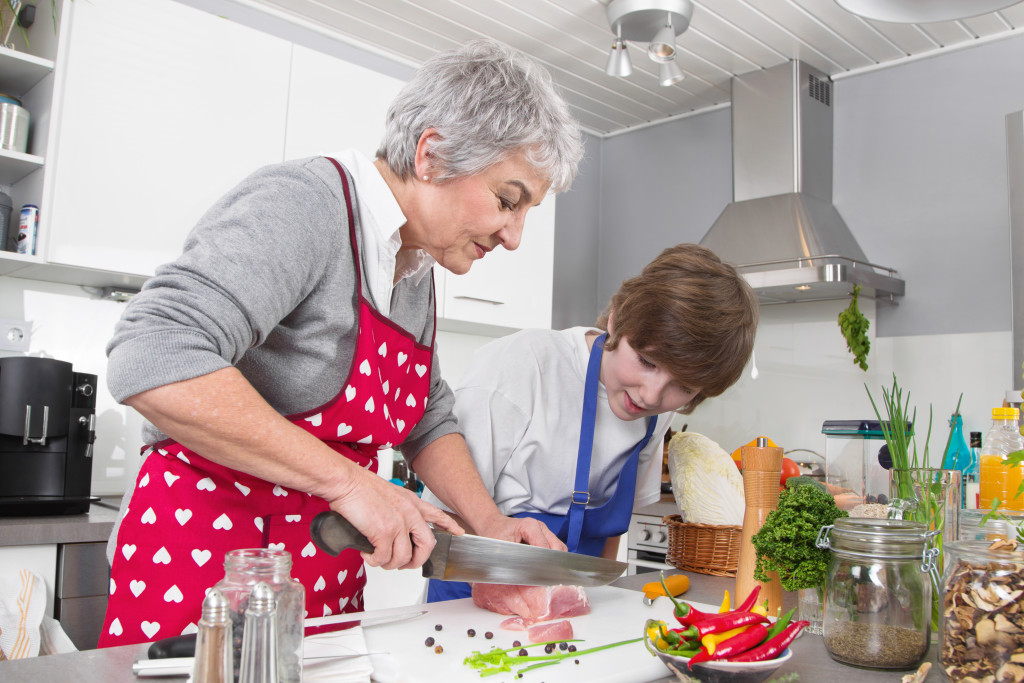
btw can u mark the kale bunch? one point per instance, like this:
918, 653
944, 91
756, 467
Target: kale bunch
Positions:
785, 543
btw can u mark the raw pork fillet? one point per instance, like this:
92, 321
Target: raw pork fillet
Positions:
532, 603
549, 633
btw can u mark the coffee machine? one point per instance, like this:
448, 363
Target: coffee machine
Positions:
47, 430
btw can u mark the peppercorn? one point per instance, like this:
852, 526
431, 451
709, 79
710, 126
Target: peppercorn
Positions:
438, 649
563, 645
488, 635
576, 661
428, 642
522, 652
471, 632
516, 643
437, 627
572, 648
549, 648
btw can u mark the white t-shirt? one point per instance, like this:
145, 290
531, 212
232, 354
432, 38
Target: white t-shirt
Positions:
520, 406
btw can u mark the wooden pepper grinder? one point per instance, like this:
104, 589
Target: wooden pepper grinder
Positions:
762, 469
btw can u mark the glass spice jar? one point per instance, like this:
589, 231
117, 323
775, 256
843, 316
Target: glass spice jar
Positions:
981, 634
878, 591
243, 569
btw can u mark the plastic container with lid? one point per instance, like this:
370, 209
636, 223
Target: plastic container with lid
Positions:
1005, 525
878, 591
997, 479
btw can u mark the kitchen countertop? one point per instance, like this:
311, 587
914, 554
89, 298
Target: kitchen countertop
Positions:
114, 665
92, 527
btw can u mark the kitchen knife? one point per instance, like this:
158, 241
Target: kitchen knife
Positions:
477, 559
185, 645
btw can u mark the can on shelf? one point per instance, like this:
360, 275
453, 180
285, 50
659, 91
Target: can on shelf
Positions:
28, 226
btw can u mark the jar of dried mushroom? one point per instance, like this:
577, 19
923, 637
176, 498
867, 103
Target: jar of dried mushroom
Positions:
982, 627
878, 592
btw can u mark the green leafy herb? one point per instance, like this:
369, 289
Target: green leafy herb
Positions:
855, 330
498, 661
786, 541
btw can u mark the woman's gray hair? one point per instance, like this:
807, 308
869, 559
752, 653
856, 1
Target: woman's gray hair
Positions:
486, 101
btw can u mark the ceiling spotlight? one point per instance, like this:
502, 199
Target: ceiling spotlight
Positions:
618, 60
656, 22
663, 47
669, 73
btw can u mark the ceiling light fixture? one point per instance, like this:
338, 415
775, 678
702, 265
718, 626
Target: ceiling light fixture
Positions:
922, 11
656, 22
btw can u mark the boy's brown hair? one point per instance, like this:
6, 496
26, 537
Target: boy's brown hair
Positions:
690, 314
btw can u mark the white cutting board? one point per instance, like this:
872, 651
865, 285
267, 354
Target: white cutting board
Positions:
615, 614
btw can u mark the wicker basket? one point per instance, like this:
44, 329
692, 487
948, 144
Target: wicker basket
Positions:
703, 548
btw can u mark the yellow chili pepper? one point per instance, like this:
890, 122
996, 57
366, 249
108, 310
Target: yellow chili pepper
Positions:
677, 585
725, 604
711, 640
760, 609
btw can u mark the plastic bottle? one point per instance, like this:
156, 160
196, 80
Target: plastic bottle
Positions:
970, 477
997, 479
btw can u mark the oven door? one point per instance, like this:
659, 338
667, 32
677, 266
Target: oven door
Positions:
643, 561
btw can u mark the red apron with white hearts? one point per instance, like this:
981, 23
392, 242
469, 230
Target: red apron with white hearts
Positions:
186, 512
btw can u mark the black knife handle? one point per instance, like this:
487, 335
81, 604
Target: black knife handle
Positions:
175, 646
332, 533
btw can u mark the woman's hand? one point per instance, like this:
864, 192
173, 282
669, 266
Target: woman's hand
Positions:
392, 518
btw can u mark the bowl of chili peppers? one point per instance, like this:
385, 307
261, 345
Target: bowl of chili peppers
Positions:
739, 645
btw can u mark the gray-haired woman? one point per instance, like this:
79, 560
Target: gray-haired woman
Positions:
294, 337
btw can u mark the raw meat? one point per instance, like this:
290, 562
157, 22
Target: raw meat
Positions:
513, 624
549, 633
532, 603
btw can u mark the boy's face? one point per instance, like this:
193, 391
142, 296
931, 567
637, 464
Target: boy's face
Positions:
637, 387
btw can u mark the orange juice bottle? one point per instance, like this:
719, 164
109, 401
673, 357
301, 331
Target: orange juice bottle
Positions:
997, 479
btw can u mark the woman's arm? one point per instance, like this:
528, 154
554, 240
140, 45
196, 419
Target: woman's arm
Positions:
221, 416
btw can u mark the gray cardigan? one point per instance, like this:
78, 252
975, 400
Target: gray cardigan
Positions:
266, 283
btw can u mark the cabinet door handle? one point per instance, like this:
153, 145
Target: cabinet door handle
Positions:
483, 301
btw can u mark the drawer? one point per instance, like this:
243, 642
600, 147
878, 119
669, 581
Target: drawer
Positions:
82, 570
82, 619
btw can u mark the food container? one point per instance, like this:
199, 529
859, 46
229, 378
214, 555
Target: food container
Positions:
981, 634
878, 592
852, 468
14, 120
1005, 526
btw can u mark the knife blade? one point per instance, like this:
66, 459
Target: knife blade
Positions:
477, 559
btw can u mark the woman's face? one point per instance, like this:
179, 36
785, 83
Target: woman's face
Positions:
637, 387
458, 221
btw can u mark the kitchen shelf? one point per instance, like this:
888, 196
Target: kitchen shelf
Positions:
21, 72
16, 165
35, 268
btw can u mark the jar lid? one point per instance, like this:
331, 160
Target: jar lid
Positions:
888, 537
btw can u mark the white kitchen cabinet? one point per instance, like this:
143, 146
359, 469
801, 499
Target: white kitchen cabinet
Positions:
163, 108
506, 290
334, 105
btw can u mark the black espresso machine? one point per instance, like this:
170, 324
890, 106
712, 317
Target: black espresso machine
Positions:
47, 429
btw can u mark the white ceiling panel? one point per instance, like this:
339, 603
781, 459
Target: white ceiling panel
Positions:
726, 38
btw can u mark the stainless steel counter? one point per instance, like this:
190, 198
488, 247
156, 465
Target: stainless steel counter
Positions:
92, 527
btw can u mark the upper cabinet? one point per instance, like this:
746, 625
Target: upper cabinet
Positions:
163, 109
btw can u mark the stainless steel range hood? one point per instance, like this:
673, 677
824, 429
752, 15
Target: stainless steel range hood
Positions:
781, 230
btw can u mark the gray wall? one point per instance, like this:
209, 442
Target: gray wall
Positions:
920, 177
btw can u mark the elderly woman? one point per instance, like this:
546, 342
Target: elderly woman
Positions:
294, 338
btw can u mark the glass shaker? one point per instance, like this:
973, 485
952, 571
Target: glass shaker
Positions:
981, 635
243, 569
878, 591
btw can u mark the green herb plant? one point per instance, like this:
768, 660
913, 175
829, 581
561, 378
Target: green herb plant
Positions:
498, 661
854, 327
785, 544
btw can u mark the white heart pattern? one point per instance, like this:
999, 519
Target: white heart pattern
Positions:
113, 586
162, 556
173, 594
115, 628
201, 557
182, 516
342, 603
150, 628
420, 369
206, 484
136, 587
315, 420
258, 521
364, 368
223, 522
293, 518
190, 628
342, 575
387, 413
183, 458
366, 439
148, 517
309, 550
410, 401
369, 405
344, 429
144, 480
350, 392
401, 425
127, 550
382, 350
359, 574
386, 387
401, 358
278, 491
170, 478
243, 488
327, 611
319, 585
275, 546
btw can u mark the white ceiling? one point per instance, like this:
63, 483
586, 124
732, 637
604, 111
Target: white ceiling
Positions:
572, 38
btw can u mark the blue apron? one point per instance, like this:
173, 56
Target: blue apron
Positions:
583, 530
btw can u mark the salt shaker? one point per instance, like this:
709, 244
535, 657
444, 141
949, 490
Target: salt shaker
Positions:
259, 639
213, 660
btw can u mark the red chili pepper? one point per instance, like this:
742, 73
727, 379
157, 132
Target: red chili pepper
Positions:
735, 646
747, 604
772, 648
722, 622
684, 612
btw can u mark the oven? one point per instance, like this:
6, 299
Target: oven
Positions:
647, 537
